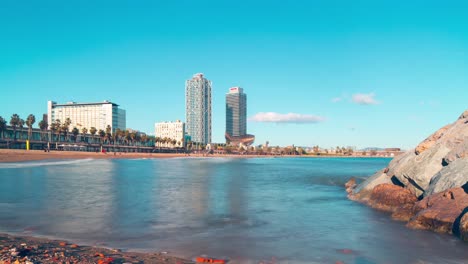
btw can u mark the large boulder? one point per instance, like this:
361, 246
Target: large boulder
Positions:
389, 197
455, 175
363, 190
431, 140
461, 225
438, 212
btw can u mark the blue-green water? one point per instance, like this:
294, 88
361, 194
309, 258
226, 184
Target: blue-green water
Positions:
292, 210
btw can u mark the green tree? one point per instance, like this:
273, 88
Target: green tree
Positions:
3, 127
43, 126
101, 134
75, 133
14, 122
108, 133
55, 127
93, 131
30, 122
66, 128
117, 135
84, 131
21, 125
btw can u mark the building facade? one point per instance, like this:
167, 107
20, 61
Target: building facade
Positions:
236, 117
172, 130
98, 115
198, 108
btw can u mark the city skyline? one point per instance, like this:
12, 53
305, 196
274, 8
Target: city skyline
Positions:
341, 73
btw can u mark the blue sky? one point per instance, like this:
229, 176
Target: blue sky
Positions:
348, 73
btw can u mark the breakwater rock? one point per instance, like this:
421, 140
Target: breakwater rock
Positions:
426, 186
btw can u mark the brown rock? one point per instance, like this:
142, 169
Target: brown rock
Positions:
431, 140
390, 198
350, 185
439, 211
462, 225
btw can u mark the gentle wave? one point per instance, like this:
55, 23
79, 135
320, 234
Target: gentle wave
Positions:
19, 165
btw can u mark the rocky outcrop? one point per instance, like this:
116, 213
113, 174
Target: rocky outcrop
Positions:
427, 186
389, 197
455, 175
438, 212
431, 140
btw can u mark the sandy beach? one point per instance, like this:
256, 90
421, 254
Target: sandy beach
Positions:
15, 155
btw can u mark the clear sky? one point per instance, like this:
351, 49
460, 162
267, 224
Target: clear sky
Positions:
349, 73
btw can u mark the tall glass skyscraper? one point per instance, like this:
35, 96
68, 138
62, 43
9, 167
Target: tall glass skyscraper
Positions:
236, 117
198, 108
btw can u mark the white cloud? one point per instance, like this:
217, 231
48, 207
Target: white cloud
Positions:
272, 117
364, 99
336, 99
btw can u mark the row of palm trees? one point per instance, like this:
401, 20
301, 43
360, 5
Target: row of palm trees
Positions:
61, 132
16, 122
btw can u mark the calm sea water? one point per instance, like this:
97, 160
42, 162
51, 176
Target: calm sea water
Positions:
290, 210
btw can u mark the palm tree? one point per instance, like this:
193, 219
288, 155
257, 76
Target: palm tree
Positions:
66, 128
30, 122
93, 131
14, 122
84, 131
173, 142
21, 125
75, 133
56, 127
132, 137
108, 133
2, 126
101, 134
43, 126
144, 139
117, 135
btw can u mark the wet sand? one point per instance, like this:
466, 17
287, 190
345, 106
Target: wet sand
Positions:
25, 249
15, 155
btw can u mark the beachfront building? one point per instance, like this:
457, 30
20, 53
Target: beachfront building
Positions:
198, 108
236, 118
98, 115
171, 131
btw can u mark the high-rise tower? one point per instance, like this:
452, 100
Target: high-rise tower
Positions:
198, 108
236, 117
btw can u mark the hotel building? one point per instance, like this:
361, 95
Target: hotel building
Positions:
236, 118
98, 115
171, 130
198, 108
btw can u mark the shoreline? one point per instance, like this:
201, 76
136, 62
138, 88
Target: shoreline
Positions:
35, 249
17, 155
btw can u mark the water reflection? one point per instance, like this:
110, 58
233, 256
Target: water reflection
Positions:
246, 209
